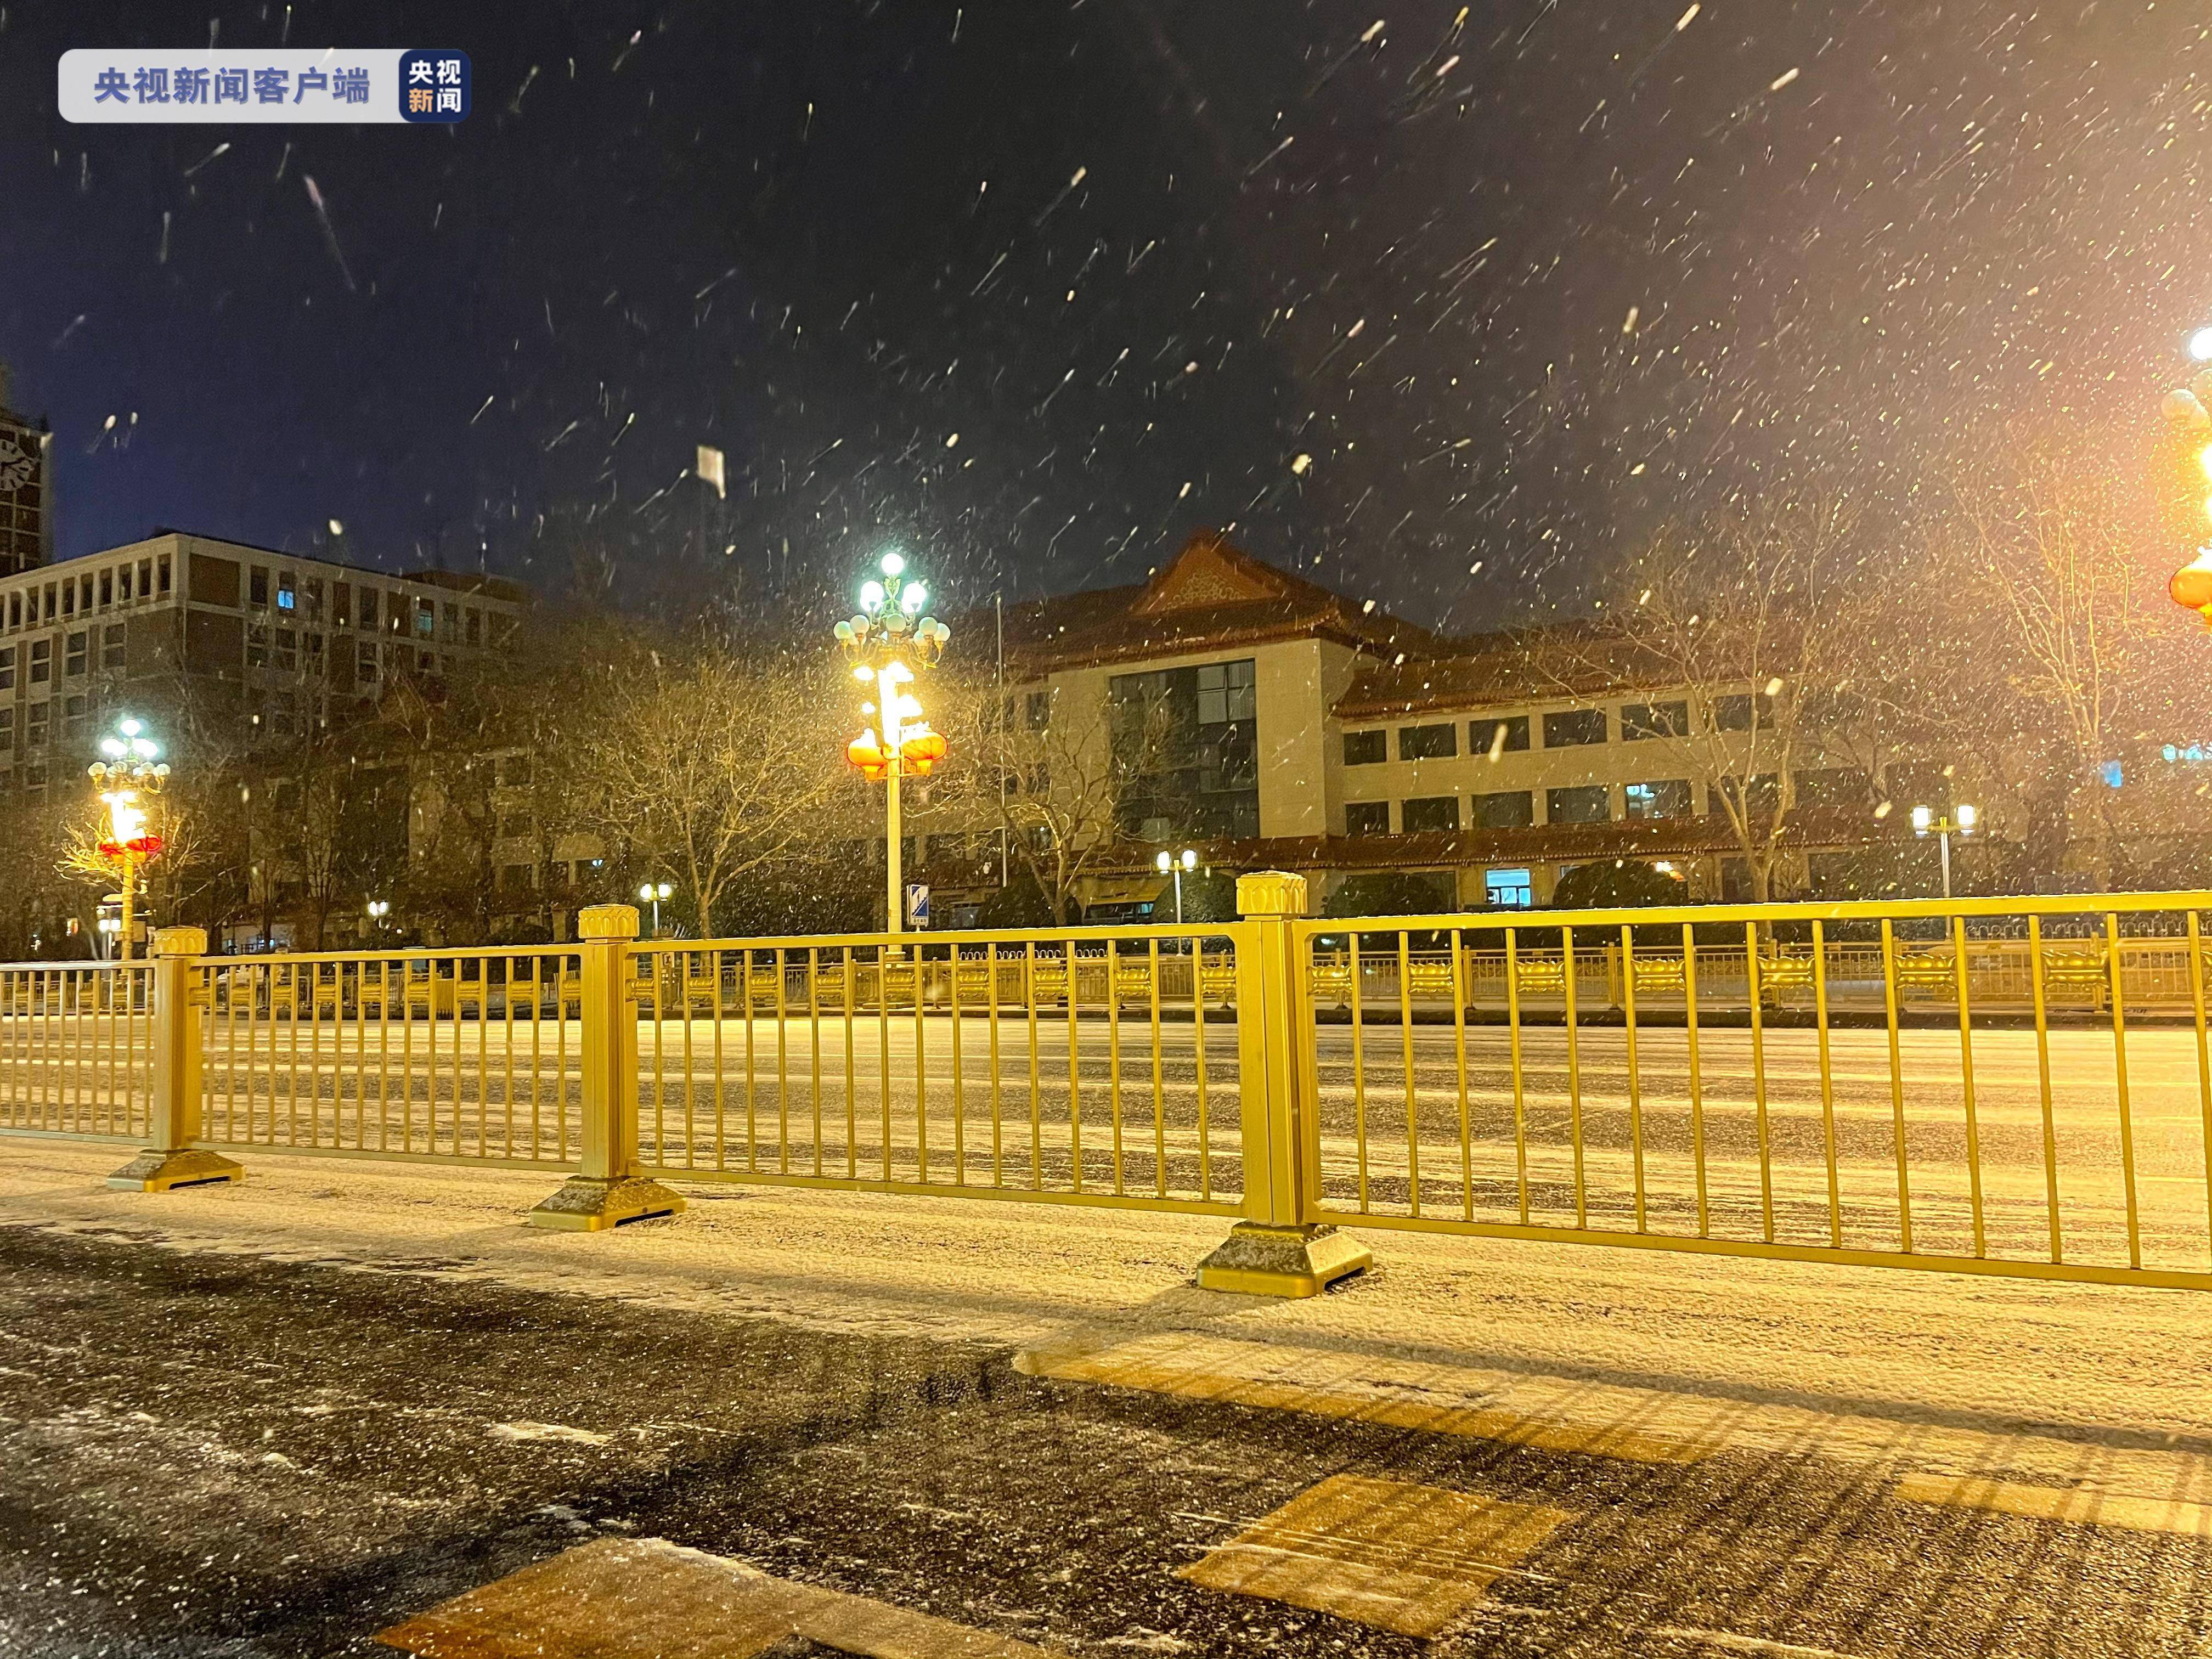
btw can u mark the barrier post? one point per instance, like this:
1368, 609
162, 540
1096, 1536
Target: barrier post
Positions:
1281, 1247
175, 1006
608, 1190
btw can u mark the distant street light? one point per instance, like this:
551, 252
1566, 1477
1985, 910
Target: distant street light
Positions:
886, 642
652, 893
1176, 863
127, 779
2200, 345
1960, 820
378, 909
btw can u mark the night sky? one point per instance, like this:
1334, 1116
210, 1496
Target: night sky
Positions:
1036, 289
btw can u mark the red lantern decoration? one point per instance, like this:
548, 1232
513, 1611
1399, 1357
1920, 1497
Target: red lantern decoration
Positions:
922, 750
2191, 586
866, 755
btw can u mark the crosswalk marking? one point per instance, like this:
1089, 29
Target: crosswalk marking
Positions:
644, 1598
2090, 1505
1401, 1394
1405, 1558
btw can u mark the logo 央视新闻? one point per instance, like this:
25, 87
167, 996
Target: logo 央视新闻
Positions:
433, 86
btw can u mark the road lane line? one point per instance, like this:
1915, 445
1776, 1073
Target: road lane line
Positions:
1404, 1558
2088, 1506
645, 1598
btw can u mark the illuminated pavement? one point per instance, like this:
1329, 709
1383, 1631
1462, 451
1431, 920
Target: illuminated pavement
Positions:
232, 1429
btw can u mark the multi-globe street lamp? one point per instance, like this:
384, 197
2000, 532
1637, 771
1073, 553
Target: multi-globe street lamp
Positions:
378, 909
1959, 820
888, 642
652, 893
128, 776
1176, 864
2184, 408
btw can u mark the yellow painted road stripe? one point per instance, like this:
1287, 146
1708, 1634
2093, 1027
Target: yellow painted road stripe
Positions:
643, 1598
1389, 1553
1432, 1398
2090, 1505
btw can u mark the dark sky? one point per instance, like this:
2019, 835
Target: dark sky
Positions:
1035, 289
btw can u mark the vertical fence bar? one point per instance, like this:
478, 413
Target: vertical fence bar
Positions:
2203, 1059
1198, 1051
1159, 1085
1696, 1083
1074, 1077
1358, 1072
782, 970
1635, 1086
2043, 1072
1520, 1102
991, 1022
1036, 1096
1967, 1081
1827, 1083
2120, 1079
1113, 1054
1896, 1087
1756, 998
959, 1100
1459, 1059
1574, 1075
1412, 1100
852, 1081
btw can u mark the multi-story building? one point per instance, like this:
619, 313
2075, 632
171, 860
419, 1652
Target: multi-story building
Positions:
257, 643
27, 524
1309, 731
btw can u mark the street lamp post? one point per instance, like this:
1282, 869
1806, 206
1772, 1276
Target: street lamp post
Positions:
1960, 820
1176, 864
887, 641
130, 773
378, 909
652, 893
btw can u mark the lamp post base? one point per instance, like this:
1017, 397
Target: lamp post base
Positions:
157, 1172
593, 1203
1258, 1260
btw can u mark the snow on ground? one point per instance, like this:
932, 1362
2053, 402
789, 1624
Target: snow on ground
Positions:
1860, 1359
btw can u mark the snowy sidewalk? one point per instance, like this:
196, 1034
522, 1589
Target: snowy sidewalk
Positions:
1945, 1372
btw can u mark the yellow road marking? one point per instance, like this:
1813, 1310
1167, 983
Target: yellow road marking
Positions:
2089, 1504
1404, 1558
643, 1598
1400, 1393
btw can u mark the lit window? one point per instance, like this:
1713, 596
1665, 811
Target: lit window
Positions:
1508, 889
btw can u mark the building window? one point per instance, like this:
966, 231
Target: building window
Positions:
1495, 737
312, 590
1367, 817
1508, 889
1565, 728
452, 622
145, 578
1640, 721
42, 661
1189, 738
7, 668
257, 586
365, 670
7, 732
76, 657
1510, 809
1664, 798
514, 878
1589, 803
1428, 742
287, 597
1833, 786
1038, 710
1429, 812
257, 644
161, 571
1366, 748
1227, 691
111, 649
315, 653
369, 609
68, 599
106, 589
75, 711
475, 628
288, 650
1758, 796
34, 727
1735, 713
426, 623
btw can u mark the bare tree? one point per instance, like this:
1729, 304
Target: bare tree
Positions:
1773, 629
1068, 782
712, 764
2062, 643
